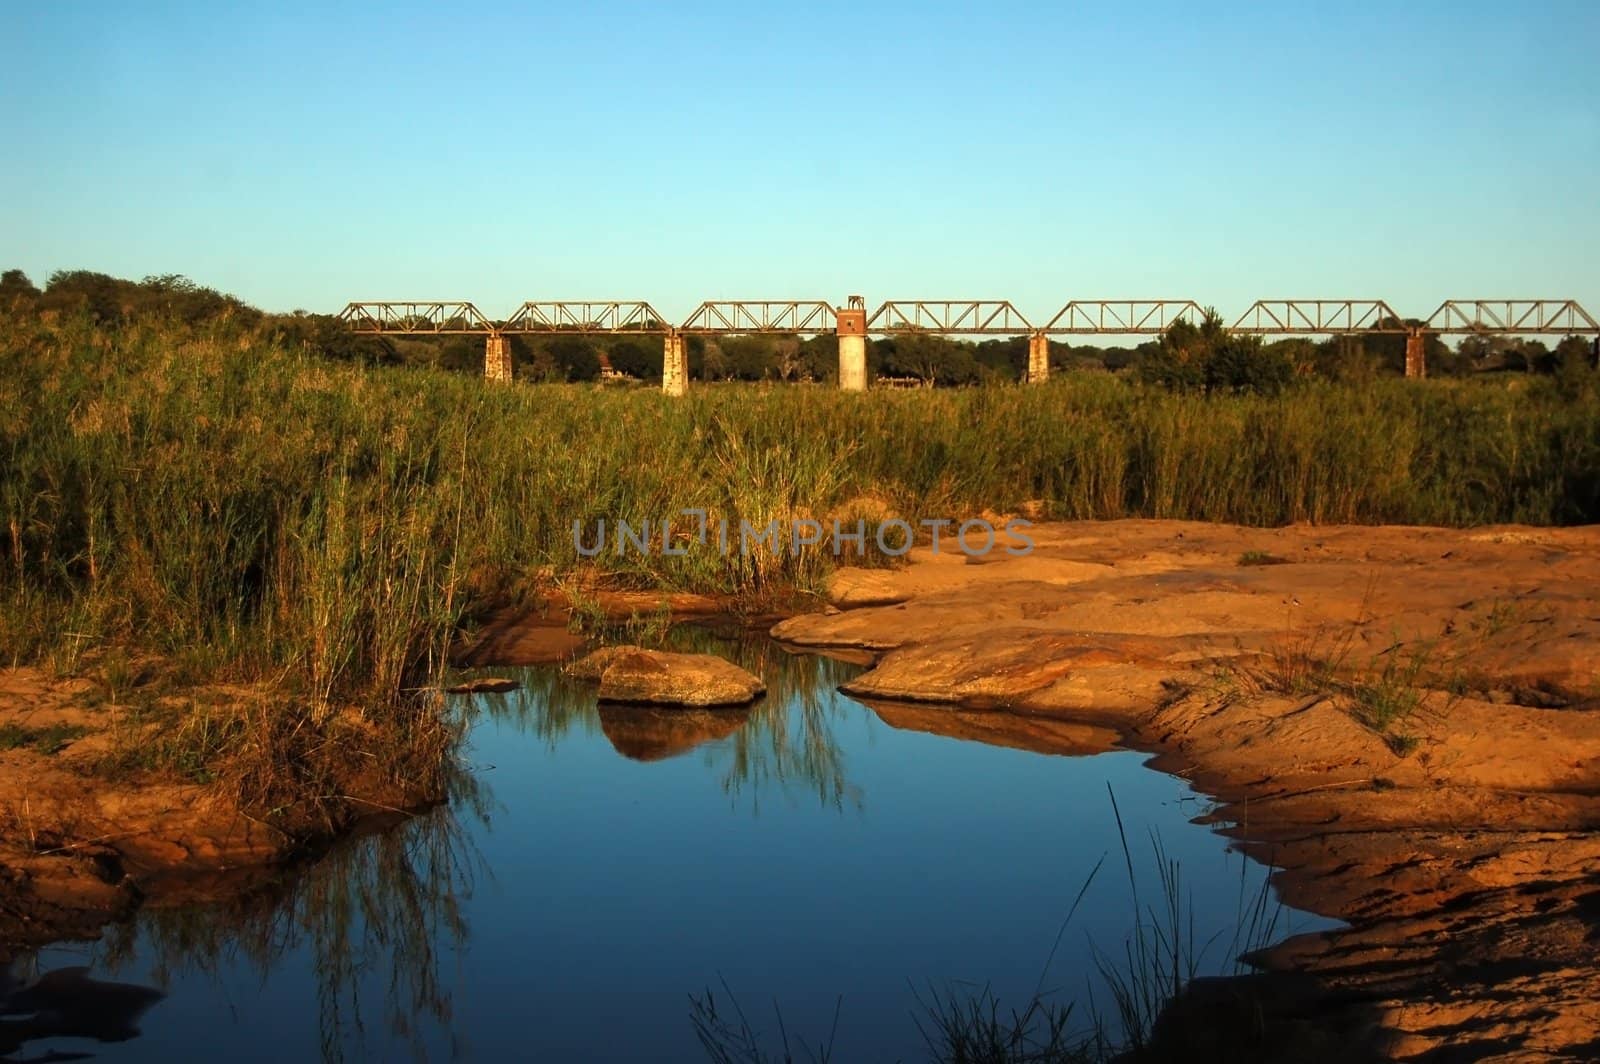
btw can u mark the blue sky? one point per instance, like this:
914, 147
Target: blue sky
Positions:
303, 157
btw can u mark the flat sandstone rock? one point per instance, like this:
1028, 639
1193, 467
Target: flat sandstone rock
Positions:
483, 685
658, 677
1403, 722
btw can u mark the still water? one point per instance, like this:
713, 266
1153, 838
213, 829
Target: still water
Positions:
601, 864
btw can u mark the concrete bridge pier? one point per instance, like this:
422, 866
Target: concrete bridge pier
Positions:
1038, 358
497, 358
852, 332
674, 366
1416, 354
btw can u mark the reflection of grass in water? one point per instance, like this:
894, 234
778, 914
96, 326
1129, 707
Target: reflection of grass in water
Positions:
390, 905
787, 742
547, 706
1161, 957
385, 904
1160, 963
789, 739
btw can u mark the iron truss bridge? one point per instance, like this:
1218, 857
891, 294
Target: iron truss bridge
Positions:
968, 317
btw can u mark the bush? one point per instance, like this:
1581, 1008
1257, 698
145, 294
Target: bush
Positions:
1206, 357
1239, 364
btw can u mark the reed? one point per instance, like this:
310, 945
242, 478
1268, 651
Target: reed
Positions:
207, 495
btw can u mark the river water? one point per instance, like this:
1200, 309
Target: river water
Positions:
600, 867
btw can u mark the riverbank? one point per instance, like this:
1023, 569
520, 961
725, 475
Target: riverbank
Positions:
332, 573
245, 622
145, 792
1405, 720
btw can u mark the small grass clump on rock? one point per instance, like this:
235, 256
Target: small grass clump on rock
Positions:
1382, 695
1260, 557
50, 739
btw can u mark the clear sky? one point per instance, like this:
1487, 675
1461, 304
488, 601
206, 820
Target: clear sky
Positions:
304, 155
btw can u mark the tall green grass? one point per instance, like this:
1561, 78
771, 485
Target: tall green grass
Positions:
327, 527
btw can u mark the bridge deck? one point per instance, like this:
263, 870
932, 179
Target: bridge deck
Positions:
969, 317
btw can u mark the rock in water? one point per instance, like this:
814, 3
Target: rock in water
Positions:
593, 666
656, 677
655, 733
484, 685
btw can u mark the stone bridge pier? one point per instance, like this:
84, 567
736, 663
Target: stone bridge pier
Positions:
1416, 353
1038, 358
674, 365
497, 358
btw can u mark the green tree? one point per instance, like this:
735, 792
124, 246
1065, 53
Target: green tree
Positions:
99, 295
1007, 359
748, 358
327, 336
463, 354
1241, 364
576, 356
1575, 367
1118, 358
1178, 363
1301, 351
531, 359
16, 291
705, 363
932, 358
1206, 356
1575, 352
788, 357
638, 358
819, 357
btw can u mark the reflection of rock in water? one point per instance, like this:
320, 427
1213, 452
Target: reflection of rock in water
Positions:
1041, 735
649, 733
67, 1003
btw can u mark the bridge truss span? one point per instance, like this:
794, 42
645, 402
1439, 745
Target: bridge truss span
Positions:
1142, 317
615, 317
1512, 316
949, 317
1301, 317
417, 317
733, 316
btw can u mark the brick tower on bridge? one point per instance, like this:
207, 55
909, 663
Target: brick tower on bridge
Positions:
852, 332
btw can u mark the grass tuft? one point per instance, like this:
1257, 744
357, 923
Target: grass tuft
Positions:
51, 739
1260, 557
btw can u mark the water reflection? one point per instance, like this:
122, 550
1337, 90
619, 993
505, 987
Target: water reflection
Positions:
791, 743
374, 917
631, 872
784, 744
66, 1003
1039, 735
654, 733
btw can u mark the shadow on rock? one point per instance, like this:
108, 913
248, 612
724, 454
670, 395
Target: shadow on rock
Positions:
1271, 1018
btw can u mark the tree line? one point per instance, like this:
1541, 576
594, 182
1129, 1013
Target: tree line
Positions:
1202, 356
